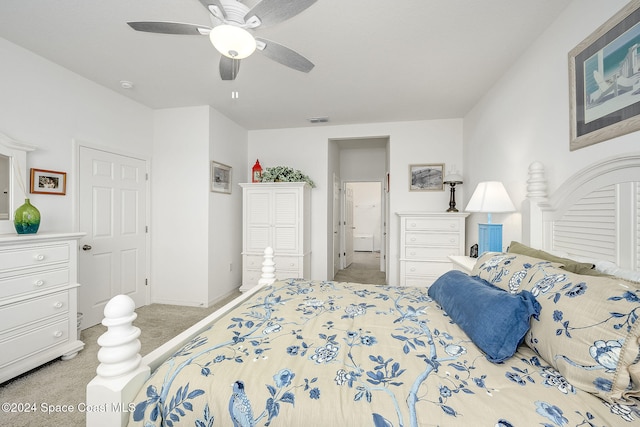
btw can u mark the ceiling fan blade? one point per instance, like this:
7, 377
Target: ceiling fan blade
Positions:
284, 55
229, 68
271, 12
170, 28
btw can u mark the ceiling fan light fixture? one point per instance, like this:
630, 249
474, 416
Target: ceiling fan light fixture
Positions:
233, 42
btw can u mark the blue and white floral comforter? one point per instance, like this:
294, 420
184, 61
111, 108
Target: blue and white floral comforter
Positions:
303, 353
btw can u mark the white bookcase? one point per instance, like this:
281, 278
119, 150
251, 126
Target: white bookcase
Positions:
277, 215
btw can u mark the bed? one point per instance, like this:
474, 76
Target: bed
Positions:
527, 339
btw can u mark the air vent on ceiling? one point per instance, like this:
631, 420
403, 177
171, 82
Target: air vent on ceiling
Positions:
318, 119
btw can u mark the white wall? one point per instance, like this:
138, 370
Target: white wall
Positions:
307, 149
48, 106
196, 234
228, 145
525, 117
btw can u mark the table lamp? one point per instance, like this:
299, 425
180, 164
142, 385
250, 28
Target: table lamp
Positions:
490, 197
452, 179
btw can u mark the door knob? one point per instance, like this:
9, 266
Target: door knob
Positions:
86, 247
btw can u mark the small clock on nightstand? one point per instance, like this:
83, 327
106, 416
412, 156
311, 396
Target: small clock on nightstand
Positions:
463, 263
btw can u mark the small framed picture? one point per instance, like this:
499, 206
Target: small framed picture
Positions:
48, 182
427, 177
220, 178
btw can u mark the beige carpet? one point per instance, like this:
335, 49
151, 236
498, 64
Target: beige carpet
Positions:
63, 383
364, 269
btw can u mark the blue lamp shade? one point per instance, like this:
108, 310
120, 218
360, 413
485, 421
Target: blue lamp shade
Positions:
490, 197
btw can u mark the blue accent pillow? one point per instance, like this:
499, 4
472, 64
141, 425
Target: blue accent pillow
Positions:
495, 320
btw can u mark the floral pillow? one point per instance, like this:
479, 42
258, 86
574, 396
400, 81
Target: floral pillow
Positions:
588, 330
509, 271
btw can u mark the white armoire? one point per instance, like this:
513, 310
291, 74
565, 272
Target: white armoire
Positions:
276, 214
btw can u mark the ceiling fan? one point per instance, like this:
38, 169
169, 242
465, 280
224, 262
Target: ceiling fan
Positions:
233, 23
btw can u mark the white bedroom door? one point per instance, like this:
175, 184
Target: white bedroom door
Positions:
348, 226
112, 213
336, 224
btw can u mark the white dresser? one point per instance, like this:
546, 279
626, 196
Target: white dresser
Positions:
427, 239
38, 300
276, 214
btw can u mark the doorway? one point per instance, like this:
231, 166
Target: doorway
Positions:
112, 211
357, 160
363, 226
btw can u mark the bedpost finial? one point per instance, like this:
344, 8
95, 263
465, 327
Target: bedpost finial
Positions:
268, 268
119, 346
537, 182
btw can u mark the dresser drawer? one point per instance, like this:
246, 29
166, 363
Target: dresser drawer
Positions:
254, 262
33, 256
437, 239
26, 283
287, 263
439, 224
33, 310
429, 253
34, 341
431, 269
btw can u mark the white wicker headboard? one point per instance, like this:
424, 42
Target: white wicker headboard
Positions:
595, 214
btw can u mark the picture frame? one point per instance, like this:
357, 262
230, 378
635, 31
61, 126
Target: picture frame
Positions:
604, 84
48, 182
426, 177
220, 178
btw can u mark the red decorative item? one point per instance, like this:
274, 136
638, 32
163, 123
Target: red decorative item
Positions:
256, 175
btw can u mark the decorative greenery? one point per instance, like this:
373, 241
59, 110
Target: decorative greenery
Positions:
285, 174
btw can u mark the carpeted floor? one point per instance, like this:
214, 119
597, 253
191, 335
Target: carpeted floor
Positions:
51, 391
364, 269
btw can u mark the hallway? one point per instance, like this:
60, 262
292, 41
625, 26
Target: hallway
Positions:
364, 269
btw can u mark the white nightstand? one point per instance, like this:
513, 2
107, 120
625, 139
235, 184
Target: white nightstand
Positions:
463, 263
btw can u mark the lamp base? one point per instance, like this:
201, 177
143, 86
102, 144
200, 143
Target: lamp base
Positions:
489, 238
452, 198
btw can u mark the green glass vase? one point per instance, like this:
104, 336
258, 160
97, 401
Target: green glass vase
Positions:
27, 218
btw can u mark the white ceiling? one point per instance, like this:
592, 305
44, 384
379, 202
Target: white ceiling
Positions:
376, 61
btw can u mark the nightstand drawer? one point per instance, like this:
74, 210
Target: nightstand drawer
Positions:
34, 256
430, 224
437, 239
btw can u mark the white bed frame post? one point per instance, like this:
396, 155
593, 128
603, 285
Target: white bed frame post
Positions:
533, 229
110, 393
122, 372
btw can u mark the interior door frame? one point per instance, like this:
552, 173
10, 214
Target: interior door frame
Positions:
75, 184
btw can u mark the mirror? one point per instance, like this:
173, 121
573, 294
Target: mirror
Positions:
5, 164
13, 169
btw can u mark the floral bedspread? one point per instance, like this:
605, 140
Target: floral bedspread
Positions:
303, 353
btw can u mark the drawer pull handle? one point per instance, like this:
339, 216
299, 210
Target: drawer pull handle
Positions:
412, 269
58, 304
413, 239
413, 224
39, 257
57, 334
412, 253
39, 283
452, 225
